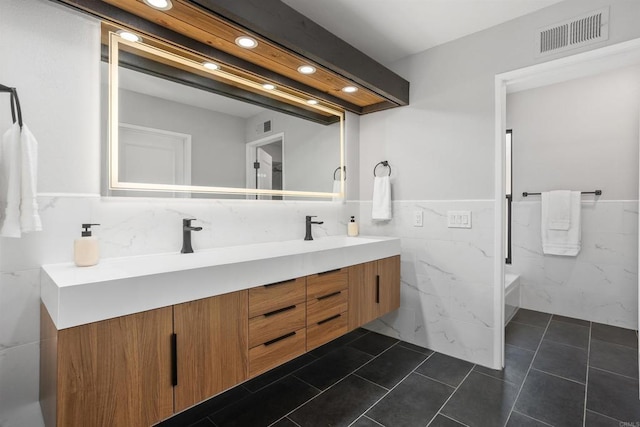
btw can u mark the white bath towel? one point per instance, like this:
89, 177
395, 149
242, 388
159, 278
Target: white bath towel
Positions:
381, 198
555, 240
18, 179
336, 189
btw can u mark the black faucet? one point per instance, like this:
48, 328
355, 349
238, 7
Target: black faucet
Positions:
308, 223
186, 235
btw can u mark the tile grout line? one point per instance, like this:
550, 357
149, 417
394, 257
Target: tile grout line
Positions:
559, 376
449, 398
531, 418
614, 373
390, 390
586, 379
528, 370
436, 380
449, 418
372, 420
337, 382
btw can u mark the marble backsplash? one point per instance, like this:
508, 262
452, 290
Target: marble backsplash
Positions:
601, 283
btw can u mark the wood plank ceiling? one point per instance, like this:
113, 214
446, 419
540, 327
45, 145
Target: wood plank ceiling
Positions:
196, 28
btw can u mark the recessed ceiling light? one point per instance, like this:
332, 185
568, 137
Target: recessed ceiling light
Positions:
312, 102
159, 4
246, 42
349, 89
306, 69
129, 36
268, 86
210, 66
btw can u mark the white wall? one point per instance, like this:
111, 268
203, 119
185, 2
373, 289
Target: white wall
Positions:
441, 148
582, 135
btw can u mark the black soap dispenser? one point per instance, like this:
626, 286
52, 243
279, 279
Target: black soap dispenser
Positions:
85, 248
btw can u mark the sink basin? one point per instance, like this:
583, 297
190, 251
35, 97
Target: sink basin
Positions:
119, 286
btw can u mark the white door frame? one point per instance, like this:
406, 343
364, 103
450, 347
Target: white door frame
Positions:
554, 71
250, 156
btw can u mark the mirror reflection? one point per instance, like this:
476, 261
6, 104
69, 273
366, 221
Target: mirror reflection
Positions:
184, 139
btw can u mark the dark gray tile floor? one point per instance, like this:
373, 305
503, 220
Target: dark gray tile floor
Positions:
558, 372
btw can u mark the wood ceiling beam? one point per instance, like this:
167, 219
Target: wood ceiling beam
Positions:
285, 26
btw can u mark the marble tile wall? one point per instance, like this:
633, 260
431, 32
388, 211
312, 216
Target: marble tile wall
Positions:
601, 283
129, 226
446, 278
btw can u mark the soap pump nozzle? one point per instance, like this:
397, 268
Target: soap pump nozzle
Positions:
87, 229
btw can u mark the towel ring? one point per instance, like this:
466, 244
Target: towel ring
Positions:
337, 169
383, 163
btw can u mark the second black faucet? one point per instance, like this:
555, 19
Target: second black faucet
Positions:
186, 235
308, 223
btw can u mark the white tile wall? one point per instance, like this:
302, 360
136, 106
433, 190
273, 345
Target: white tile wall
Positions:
447, 278
601, 283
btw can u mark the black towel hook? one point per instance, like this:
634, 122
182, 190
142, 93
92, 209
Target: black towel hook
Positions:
337, 169
383, 163
15, 103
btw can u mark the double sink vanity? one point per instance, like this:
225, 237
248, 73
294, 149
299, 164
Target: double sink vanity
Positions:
134, 340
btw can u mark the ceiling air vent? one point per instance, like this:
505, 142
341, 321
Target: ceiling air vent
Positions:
266, 126
571, 34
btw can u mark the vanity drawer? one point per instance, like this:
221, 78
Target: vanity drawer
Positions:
275, 324
276, 352
327, 283
267, 298
326, 330
323, 307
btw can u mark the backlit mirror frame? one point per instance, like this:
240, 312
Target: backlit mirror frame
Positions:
115, 41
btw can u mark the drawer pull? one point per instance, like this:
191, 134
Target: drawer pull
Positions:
280, 310
279, 283
329, 272
329, 296
329, 319
377, 289
174, 360
275, 340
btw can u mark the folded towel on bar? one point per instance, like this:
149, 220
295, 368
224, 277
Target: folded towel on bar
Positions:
561, 223
381, 198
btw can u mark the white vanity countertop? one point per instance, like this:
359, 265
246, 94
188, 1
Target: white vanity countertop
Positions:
120, 286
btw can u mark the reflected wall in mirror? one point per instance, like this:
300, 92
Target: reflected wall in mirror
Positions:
171, 136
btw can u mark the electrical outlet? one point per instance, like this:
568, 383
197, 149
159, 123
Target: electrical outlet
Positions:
459, 219
417, 218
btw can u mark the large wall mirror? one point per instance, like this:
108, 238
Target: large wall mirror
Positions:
171, 135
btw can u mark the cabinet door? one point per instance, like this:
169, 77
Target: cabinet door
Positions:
211, 336
388, 292
362, 294
115, 372
374, 290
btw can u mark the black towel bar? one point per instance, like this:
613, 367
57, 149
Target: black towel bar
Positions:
596, 192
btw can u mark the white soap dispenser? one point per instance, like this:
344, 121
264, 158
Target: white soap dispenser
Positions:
85, 249
352, 227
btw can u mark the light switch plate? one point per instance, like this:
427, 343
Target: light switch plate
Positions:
459, 219
417, 218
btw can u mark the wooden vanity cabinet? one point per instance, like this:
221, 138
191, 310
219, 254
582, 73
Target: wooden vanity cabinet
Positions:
327, 304
121, 371
374, 290
109, 373
277, 324
211, 347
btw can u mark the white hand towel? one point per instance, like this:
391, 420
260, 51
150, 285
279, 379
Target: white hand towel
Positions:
10, 176
336, 189
29, 217
18, 179
381, 198
557, 241
559, 210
